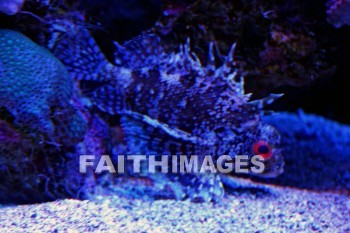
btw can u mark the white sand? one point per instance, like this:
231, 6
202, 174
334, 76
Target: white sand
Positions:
278, 210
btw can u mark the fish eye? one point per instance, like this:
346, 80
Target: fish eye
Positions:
262, 148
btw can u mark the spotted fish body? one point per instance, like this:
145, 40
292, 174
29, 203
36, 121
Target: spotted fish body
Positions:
172, 104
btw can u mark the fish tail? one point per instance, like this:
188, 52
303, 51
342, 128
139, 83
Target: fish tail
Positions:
82, 57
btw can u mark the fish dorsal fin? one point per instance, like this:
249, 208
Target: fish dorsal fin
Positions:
142, 51
184, 61
261, 103
211, 64
230, 73
229, 63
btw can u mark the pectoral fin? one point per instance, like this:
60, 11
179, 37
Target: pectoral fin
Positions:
145, 135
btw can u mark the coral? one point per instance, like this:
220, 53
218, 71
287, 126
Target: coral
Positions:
317, 151
11, 7
35, 87
31, 171
70, 127
339, 13
40, 124
17, 169
8, 134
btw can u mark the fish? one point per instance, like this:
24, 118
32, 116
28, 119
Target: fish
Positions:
171, 103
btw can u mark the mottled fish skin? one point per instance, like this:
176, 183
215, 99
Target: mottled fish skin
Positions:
172, 104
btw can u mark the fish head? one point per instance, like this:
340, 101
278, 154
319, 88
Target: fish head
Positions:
248, 135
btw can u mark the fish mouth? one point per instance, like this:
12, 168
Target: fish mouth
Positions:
272, 171
275, 166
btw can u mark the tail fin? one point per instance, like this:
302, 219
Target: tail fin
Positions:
82, 57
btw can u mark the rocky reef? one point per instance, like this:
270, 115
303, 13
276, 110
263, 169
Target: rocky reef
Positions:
338, 13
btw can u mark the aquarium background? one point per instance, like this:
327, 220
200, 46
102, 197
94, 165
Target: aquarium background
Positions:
48, 118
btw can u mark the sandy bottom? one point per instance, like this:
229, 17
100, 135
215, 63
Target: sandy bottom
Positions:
312, 195
274, 210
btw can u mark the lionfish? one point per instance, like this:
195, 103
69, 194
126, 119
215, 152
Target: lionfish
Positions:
172, 104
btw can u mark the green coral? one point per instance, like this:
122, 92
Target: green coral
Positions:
39, 125
35, 87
